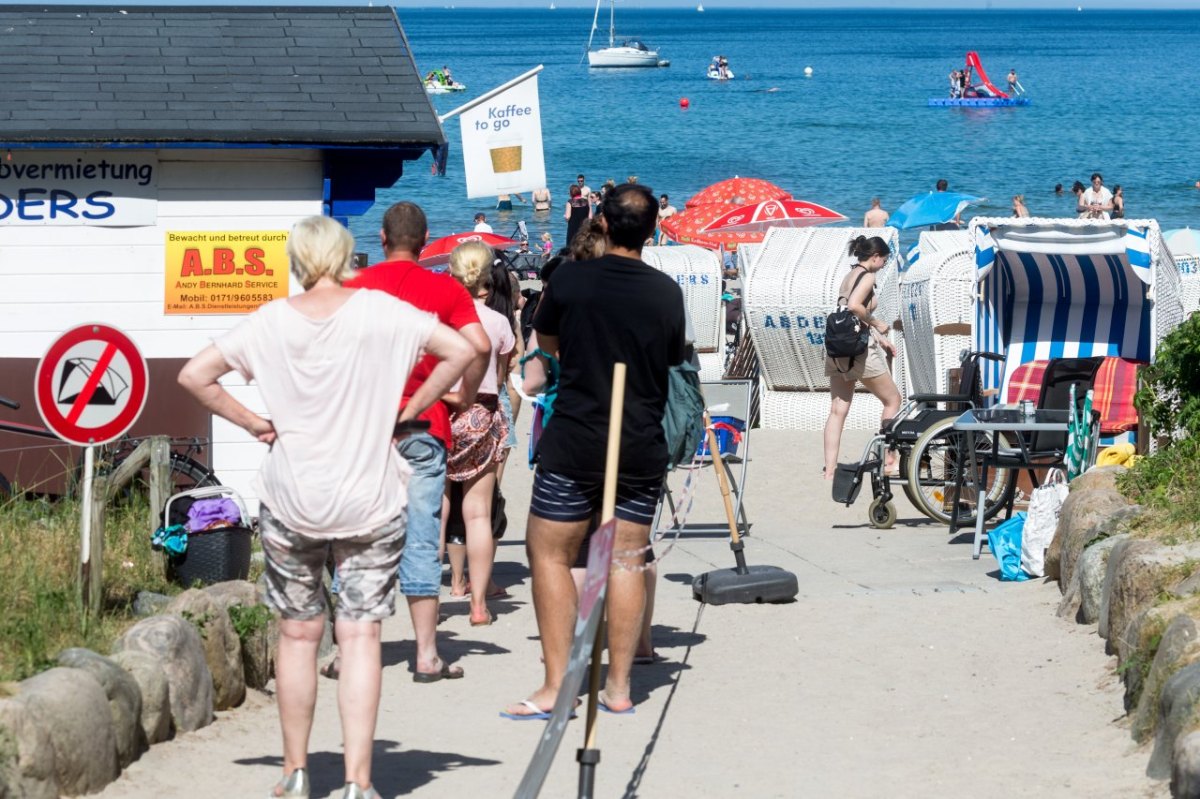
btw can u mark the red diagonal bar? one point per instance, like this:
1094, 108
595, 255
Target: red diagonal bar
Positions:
89, 388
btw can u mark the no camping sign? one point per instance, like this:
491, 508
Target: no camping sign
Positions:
91, 385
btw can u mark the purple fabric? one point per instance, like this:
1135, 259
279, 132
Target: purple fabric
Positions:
206, 512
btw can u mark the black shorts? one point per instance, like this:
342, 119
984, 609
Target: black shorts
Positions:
559, 498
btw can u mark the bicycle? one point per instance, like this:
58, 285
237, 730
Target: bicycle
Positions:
185, 471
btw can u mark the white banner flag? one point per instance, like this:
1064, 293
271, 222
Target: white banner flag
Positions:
502, 143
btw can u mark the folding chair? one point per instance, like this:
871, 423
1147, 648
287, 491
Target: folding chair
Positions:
723, 398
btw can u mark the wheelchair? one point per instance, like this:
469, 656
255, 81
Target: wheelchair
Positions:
923, 435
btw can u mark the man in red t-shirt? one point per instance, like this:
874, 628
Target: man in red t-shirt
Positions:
403, 235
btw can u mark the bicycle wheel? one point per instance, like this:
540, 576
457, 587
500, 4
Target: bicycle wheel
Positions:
184, 474
933, 468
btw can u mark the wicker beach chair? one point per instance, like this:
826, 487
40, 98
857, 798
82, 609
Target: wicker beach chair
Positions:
790, 289
698, 273
935, 309
1189, 282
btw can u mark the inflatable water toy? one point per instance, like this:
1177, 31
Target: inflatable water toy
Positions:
980, 93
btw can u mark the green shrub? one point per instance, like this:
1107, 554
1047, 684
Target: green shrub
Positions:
1169, 397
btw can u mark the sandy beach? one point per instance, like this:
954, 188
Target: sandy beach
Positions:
904, 668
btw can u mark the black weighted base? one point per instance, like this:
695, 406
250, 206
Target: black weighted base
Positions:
759, 584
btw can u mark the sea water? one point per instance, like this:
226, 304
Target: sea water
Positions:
1114, 92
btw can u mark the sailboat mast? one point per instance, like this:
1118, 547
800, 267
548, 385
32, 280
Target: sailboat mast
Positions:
612, 28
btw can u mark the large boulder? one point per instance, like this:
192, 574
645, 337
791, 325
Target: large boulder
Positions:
151, 680
1179, 647
1185, 770
1098, 477
27, 765
1138, 571
1178, 714
1079, 523
177, 647
1089, 573
1068, 606
222, 648
258, 629
71, 707
124, 700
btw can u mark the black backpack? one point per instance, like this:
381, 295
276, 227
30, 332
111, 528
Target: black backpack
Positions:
845, 334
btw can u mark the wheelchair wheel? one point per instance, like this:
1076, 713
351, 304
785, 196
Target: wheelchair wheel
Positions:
933, 468
903, 470
882, 515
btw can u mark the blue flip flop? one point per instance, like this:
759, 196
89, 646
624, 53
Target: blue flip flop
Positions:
629, 711
537, 715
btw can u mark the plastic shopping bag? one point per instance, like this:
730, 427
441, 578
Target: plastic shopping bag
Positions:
1042, 522
1005, 543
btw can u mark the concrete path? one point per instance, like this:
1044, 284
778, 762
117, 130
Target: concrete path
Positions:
905, 669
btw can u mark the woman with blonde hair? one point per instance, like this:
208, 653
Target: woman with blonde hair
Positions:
330, 365
1018, 207
480, 430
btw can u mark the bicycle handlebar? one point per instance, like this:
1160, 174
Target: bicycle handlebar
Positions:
11, 403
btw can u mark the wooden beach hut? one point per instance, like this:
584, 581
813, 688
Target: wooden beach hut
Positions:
791, 288
698, 272
1049, 288
152, 162
936, 289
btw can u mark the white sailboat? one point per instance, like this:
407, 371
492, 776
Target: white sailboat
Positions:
631, 53
700, 8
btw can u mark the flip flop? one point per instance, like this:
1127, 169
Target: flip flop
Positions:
457, 597
500, 593
447, 672
629, 711
490, 618
332, 669
537, 715
648, 660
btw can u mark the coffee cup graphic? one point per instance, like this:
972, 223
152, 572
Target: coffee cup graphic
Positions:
507, 161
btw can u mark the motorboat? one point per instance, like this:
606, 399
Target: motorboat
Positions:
434, 87
630, 53
718, 69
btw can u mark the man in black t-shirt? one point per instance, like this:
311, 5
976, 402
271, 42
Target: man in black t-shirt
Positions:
614, 309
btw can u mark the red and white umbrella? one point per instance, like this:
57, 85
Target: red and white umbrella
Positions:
759, 217
438, 252
739, 191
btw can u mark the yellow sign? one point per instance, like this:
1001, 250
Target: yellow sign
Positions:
224, 272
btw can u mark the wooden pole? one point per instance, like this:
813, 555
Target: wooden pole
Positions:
160, 485
722, 479
607, 510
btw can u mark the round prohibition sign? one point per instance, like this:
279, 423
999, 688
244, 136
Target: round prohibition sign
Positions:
91, 385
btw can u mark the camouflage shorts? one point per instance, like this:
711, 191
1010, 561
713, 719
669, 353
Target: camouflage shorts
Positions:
295, 570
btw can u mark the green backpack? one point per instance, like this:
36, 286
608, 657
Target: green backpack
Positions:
683, 419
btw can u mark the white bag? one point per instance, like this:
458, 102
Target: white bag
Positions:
1042, 521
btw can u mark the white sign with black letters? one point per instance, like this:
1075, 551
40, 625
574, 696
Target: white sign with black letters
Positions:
78, 187
502, 143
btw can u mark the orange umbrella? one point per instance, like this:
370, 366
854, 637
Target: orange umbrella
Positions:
739, 191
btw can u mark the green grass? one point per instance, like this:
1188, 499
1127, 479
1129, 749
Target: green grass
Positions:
39, 581
1167, 484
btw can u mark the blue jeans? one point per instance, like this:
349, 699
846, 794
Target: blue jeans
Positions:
420, 568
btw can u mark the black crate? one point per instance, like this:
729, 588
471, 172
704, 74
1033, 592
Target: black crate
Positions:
214, 556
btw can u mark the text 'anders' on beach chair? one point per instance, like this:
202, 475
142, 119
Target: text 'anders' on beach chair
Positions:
792, 286
698, 273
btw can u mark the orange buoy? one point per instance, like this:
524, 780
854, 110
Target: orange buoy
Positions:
684, 102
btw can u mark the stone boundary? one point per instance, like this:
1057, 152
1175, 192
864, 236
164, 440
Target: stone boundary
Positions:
72, 729
1144, 598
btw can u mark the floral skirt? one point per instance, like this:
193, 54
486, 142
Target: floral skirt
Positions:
479, 435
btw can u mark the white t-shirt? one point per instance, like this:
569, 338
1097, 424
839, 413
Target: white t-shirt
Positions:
483, 227
500, 333
1090, 195
333, 388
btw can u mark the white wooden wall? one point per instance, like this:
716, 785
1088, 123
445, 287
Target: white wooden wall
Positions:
54, 278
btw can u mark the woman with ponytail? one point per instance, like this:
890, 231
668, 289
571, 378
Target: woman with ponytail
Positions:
871, 368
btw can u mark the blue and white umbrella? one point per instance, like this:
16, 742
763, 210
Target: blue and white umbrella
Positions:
931, 208
1183, 241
